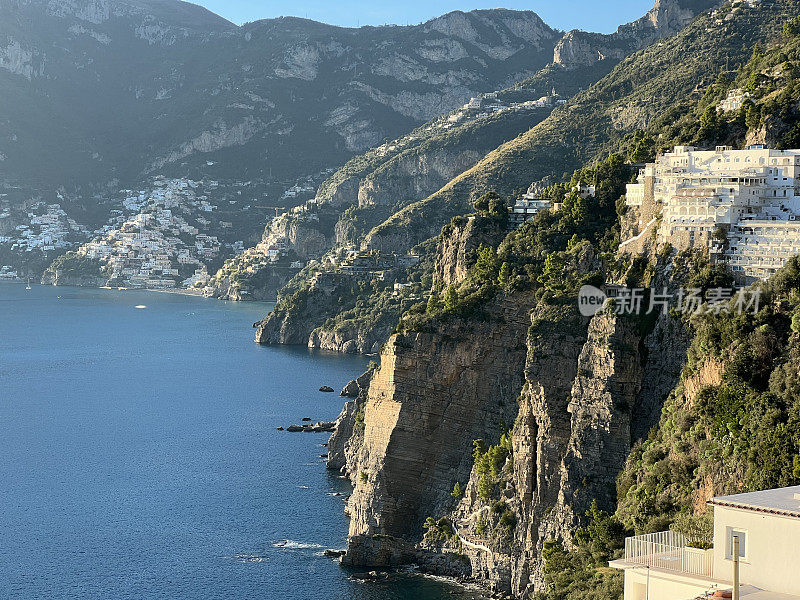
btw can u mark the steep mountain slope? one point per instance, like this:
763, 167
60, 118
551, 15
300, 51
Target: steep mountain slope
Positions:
637, 91
395, 182
103, 89
533, 516
380, 185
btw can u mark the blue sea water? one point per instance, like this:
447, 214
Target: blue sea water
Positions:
139, 456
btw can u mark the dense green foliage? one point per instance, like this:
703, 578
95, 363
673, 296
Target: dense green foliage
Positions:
740, 430
583, 572
770, 113
554, 254
75, 266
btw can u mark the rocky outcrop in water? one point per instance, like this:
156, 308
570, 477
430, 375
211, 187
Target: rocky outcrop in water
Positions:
348, 342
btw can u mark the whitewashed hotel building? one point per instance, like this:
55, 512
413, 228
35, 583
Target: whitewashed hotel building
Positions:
742, 205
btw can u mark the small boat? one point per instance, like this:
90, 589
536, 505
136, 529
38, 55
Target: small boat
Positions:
27, 287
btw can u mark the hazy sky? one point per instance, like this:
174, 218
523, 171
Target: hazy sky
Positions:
591, 15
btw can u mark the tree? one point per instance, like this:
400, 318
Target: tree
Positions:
498, 208
642, 148
796, 321
485, 488
698, 529
792, 28
487, 264
553, 274
709, 123
457, 491
434, 304
485, 203
451, 298
750, 114
504, 277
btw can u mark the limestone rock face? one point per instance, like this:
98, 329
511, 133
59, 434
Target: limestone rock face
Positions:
349, 342
582, 49
457, 250
432, 396
601, 407
591, 388
415, 176
56, 277
349, 432
270, 280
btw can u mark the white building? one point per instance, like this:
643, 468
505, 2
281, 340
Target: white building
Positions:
661, 566
734, 100
747, 200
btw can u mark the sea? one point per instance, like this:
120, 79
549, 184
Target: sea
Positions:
140, 456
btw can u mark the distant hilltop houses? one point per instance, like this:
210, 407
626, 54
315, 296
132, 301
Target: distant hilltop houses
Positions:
742, 206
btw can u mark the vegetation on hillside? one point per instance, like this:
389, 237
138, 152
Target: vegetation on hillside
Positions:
551, 254
666, 78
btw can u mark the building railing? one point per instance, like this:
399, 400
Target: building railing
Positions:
670, 551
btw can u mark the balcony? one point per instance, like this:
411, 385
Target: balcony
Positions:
669, 551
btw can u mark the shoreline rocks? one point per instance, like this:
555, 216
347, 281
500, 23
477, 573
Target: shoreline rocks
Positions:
318, 427
350, 390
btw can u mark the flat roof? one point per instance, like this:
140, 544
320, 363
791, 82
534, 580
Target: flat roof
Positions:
780, 501
753, 593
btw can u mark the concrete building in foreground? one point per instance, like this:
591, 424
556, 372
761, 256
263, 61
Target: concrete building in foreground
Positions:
743, 206
662, 566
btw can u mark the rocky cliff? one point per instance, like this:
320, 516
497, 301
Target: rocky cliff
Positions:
459, 243
667, 17
579, 392
433, 394
578, 413
632, 95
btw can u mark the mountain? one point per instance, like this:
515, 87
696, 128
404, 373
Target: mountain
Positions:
377, 186
637, 91
507, 439
100, 90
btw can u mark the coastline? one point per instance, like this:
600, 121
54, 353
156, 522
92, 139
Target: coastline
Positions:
176, 291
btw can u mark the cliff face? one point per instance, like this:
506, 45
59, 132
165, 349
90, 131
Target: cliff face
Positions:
294, 326
432, 396
457, 248
262, 287
55, 276
349, 340
667, 17
415, 176
592, 387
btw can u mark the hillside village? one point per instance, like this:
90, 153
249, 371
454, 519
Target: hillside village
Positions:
165, 236
741, 206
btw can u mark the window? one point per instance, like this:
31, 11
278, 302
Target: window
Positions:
639, 591
742, 543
